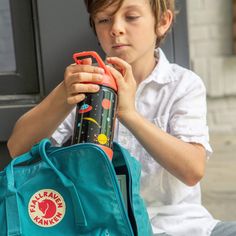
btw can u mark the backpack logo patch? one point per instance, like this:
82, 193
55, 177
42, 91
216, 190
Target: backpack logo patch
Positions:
46, 208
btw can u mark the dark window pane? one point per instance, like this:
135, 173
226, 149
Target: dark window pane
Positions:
7, 55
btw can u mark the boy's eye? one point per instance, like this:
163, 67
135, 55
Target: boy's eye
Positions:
104, 21
131, 18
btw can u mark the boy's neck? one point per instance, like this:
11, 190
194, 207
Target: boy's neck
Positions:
143, 68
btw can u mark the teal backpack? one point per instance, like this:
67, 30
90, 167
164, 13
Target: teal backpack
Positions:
73, 190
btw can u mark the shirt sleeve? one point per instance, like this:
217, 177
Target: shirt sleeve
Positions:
64, 130
188, 116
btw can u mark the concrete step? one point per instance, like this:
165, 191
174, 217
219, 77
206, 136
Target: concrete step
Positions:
219, 183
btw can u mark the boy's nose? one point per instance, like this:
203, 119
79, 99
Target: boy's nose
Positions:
117, 29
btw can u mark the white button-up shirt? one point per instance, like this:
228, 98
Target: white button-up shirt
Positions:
174, 99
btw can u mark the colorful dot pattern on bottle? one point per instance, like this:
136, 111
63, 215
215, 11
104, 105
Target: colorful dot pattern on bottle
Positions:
95, 118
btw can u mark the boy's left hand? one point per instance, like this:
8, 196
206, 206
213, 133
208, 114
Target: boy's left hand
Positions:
122, 72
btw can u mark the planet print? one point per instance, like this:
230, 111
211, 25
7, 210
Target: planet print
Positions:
85, 108
106, 103
102, 139
92, 120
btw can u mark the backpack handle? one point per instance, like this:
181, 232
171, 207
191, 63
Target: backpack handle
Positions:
78, 208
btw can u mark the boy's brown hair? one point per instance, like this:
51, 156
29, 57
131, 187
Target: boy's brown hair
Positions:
159, 8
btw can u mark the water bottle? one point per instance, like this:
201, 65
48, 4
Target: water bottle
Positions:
95, 115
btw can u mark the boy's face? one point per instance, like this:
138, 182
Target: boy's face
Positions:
129, 33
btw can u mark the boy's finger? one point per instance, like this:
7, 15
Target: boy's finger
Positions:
84, 88
75, 99
117, 75
74, 68
86, 61
122, 65
83, 77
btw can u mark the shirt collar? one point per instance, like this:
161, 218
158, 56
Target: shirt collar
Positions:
162, 72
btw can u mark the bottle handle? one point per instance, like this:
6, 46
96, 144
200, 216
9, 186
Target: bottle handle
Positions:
95, 56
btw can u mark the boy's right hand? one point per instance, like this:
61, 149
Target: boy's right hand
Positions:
81, 79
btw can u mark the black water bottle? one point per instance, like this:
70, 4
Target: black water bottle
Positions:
95, 115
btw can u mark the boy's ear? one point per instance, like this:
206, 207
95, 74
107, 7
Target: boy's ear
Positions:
164, 23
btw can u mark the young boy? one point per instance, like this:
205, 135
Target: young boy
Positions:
161, 112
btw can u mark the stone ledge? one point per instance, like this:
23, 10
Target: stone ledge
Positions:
218, 185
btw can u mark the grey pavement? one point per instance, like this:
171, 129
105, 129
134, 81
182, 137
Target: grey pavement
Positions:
219, 183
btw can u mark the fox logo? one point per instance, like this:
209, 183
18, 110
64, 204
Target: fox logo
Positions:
46, 208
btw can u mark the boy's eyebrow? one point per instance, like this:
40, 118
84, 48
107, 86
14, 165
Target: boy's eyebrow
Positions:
110, 13
136, 6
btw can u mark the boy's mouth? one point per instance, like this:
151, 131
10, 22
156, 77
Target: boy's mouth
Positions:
120, 46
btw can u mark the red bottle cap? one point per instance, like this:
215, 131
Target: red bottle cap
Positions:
108, 79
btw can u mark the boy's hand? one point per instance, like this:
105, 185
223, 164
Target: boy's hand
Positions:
81, 79
126, 86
